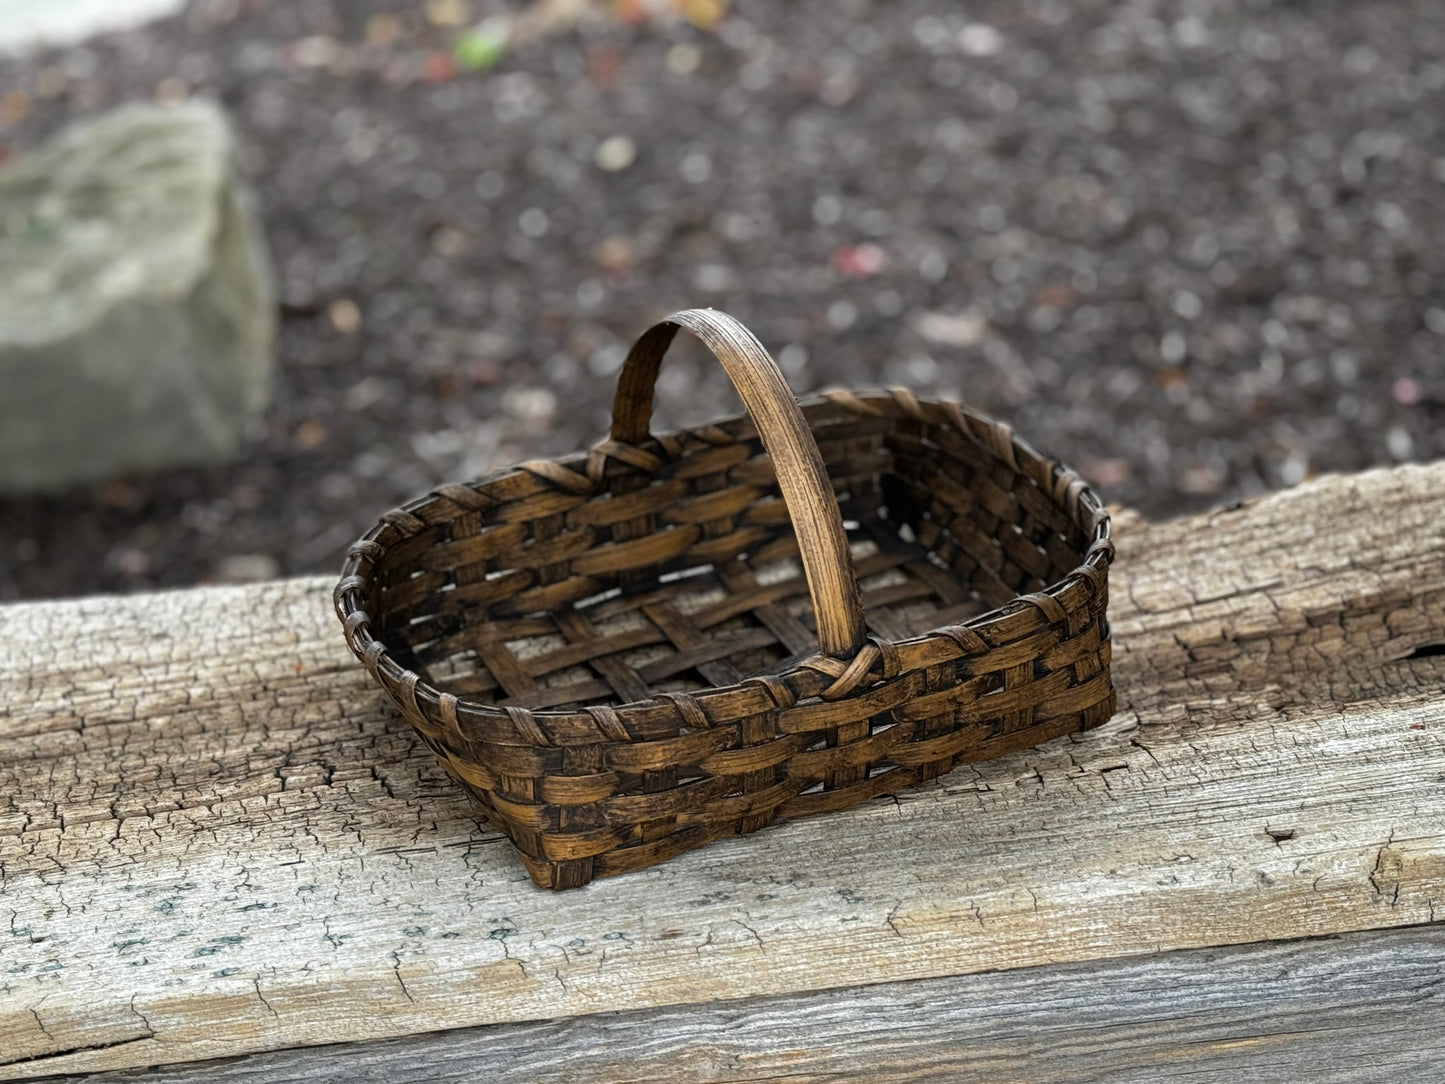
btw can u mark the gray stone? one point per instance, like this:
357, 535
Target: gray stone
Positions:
137, 313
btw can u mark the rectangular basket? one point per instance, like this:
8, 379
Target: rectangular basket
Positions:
633, 651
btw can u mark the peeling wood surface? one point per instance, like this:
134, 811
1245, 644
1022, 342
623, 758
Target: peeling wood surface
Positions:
1356, 1009
215, 838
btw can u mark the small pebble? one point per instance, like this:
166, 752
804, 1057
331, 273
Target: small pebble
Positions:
490, 185
1294, 469
483, 373
888, 303
1105, 472
614, 255
980, 39
827, 210
313, 52
1173, 348
448, 13
590, 293
533, 405
365, 393
533, 222
1407, 391
448, 241
171, 91
247, 568
1202, 481
117, 494
14, 107
713, 277
345, 315
616, 153
951, 328
132, 562
794, 360
695, 168
842, 315
382, 29
607, 360
932, 266
860, 261
684, 59
310, 434
1187, 305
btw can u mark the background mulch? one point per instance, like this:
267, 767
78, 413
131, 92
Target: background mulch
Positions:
1193, 248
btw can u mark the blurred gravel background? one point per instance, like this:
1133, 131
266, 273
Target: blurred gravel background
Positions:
1193, 248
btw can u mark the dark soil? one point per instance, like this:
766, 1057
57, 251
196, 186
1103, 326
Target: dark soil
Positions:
1193, 248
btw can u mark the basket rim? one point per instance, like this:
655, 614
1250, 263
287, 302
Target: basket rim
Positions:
818, 676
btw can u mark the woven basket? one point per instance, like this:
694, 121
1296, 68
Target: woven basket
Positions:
616, 654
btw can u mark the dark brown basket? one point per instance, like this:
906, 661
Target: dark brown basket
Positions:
616, 655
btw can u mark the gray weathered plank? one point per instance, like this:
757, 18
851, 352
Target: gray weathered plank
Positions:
216, 838
1355, 1009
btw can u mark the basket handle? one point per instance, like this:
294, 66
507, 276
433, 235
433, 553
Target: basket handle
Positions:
807, 492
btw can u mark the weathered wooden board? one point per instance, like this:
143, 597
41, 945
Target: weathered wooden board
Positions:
1356, 1009
216, 839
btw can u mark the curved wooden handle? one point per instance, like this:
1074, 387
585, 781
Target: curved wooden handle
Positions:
827, 563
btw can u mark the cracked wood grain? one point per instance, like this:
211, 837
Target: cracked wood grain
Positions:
1353, 1009
216, 838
